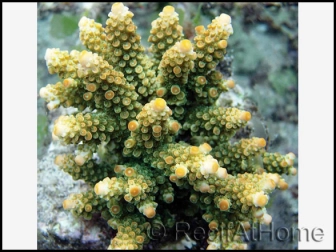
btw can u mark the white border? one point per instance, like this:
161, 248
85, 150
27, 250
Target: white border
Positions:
19, 145
316, 33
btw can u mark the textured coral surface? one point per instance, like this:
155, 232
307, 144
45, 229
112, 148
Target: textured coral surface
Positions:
149, 137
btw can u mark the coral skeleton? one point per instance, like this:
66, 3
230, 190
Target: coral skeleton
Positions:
147, 131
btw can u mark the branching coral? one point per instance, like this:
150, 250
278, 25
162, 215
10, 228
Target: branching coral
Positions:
153, 121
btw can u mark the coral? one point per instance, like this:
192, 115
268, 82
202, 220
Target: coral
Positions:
148, 131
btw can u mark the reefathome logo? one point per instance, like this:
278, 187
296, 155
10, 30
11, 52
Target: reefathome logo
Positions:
255, 232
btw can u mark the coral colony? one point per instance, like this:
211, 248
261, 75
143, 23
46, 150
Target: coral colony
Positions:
148, 132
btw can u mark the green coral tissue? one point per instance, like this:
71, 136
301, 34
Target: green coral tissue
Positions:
147, 131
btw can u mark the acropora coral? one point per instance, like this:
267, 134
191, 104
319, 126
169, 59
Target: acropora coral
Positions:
147, 131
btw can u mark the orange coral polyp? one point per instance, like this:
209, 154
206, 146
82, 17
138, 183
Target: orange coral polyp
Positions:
261, 142
87, 96
149, 212
201, 80
174, 126
129, 172
59, 160
173, 178
181, 171
130, 143
205, 148
118, 168
213, 92
175, 90
194, 150
161, 92
168, 198
115, 209
245, 116
88, 136
199, 29
157, 128
68, 204
159, 104
140, 239
169, 160
91, 87
283, 185
135, 190
283, 164
133, 125
222, 44
213, 225
168, 9
185, 46
230, 84
88, 208
109, 95
177, 70
68, 82
224, 205
80, 160
261, 200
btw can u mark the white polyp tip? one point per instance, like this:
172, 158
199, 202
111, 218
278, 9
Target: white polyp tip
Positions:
205, 148
43, 92
49, 53
85, 57
204, 187
118, 9
225, 19
221, 173
209, 166
185, 46
60, 130
83, 22
80, 160
53, 104
168, 9
101, 188
267, 219
68, 204
260, 199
